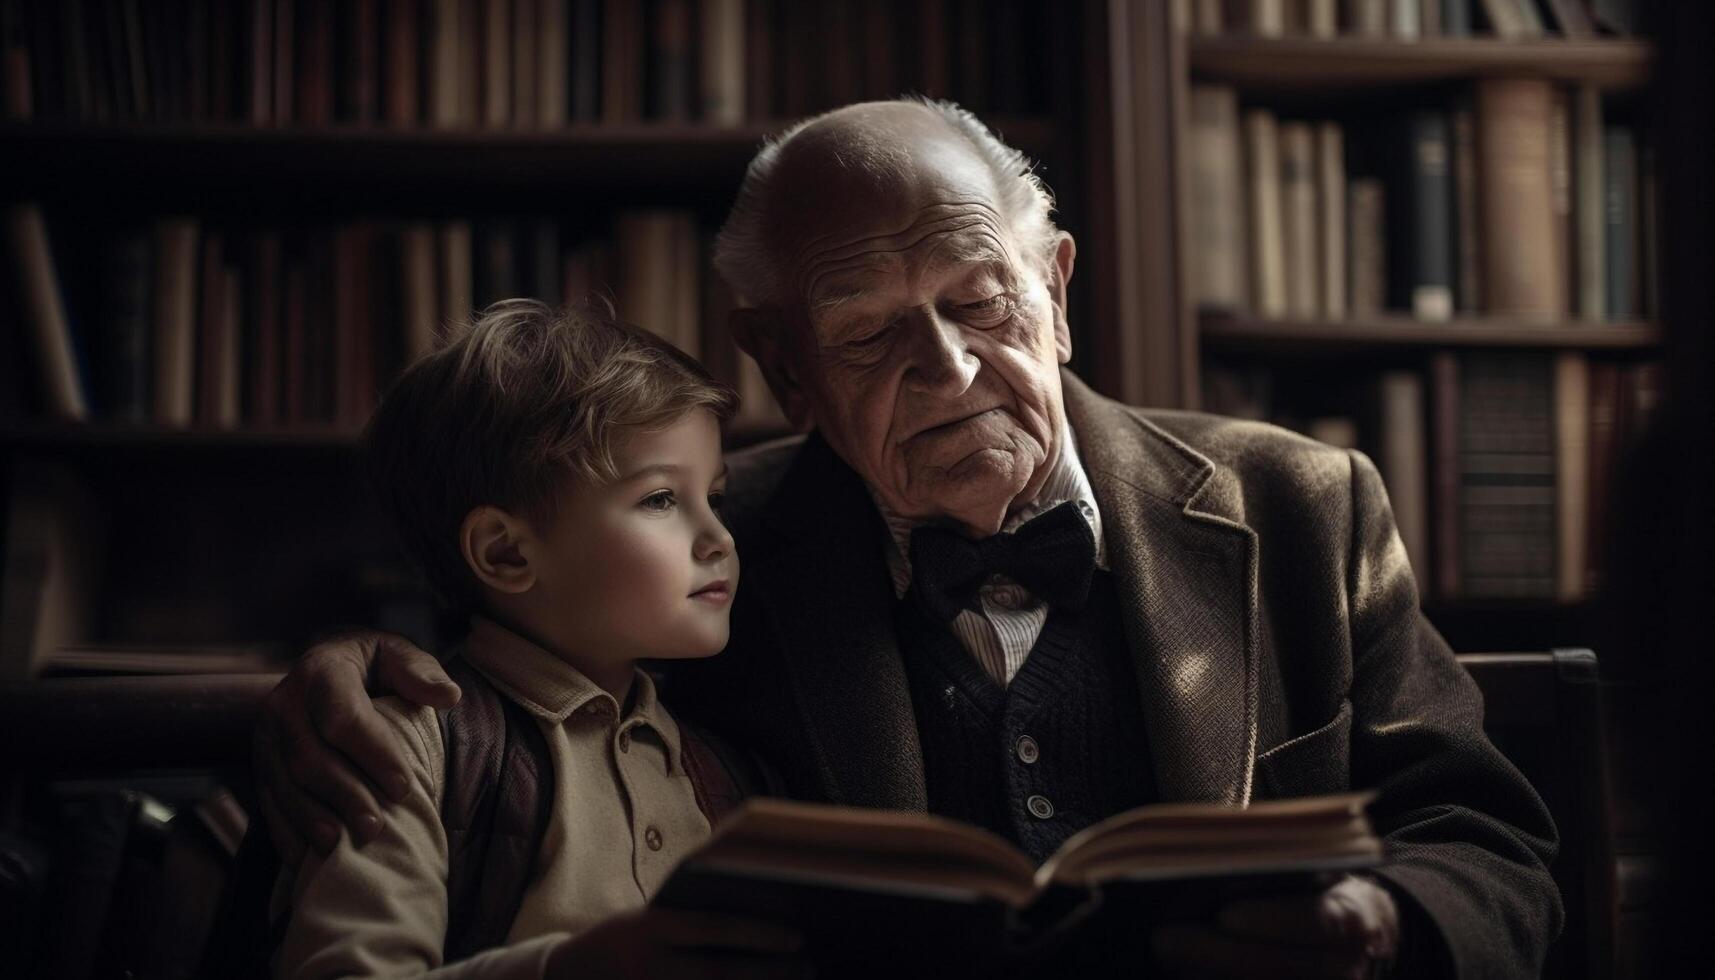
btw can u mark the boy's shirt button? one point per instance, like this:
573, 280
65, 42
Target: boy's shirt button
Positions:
652, 837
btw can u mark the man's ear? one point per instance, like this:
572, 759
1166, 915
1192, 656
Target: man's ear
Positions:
492, 543
761, 333
1060, 273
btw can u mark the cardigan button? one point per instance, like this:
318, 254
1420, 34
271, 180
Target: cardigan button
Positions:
1027, 749
652, 837
1039, 807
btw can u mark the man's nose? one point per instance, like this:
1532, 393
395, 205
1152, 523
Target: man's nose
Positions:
940, 360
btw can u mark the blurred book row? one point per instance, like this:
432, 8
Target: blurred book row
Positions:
1521, 200
507, 64
1411, 20
1498, 464
183, 323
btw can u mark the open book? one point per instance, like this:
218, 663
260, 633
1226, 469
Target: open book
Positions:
868, 886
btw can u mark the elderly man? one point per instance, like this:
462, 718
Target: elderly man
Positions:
978, 588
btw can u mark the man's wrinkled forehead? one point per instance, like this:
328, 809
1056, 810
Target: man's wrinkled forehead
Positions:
877, 183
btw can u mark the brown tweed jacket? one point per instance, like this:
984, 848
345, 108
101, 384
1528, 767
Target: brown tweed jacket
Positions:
1275, 627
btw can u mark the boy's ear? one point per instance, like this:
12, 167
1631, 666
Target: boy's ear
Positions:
491, 541
761, 333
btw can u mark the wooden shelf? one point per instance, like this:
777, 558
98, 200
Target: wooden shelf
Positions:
1300, 64
1229, 332
671, 161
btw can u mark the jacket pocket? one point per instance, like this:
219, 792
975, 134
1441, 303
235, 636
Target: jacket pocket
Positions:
1319, 761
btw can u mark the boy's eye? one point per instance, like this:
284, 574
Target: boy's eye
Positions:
660, 500
716, 500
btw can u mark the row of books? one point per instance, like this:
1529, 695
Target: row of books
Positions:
506, 64
183, 323
1521, 201
1411, 20
1499, 465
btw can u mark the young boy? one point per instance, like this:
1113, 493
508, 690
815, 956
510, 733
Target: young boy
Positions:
556, 475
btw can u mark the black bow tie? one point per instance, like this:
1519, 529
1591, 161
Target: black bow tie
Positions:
1052, 555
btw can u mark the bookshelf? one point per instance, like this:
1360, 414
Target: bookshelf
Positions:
274, 136
1292, 339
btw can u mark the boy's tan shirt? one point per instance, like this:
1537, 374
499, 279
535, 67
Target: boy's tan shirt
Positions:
624, 814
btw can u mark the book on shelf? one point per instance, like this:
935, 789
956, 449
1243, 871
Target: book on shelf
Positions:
1264, 221
1572, 430
1403, 458
1620, 227
1514, 202
1507, 467
1299, 218
867, 887
44, 311
192, 323
507, 64
1219, 256
1422, 200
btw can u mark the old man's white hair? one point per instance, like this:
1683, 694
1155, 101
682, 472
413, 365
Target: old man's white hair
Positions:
743, 251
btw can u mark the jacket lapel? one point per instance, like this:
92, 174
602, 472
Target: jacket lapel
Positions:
1185, 566
824, 574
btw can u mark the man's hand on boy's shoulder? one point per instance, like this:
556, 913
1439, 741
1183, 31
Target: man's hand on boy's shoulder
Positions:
671, 944
324, 757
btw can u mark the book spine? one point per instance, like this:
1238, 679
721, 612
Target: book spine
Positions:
1369, 18
1428, 264
670, 64
1619, 176
551, 72
443, 73
1444, 386
1455, 17
417, 279
1590, 213
264, 353
45, 313
1268, 18
228, 390
1298, 217
126, 342
175, 319
1604, 452
761, 98
1369, 259
525, 55
621, 82
585, 68
362, 62
211, 332
1467, 225
1523, 276
496, 63
1405, 20
722, 62
457, 288
1322, 19
1267, 235
1331, 231
402, 39
260, 52
1404, 464
1217, 197
1572, 472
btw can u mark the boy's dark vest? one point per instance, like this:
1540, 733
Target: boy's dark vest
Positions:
499, 793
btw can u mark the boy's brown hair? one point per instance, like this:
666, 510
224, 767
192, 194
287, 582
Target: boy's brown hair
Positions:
510, 408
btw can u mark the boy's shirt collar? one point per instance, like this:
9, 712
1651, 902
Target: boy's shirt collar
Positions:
552, 690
